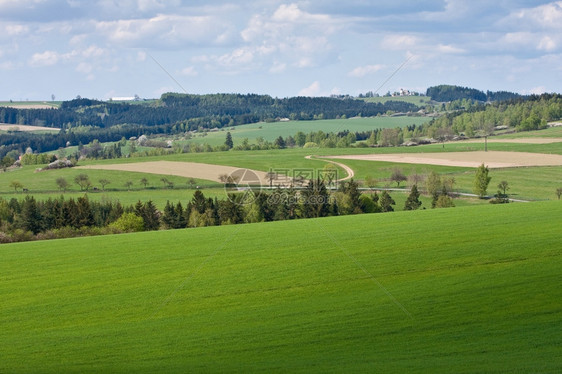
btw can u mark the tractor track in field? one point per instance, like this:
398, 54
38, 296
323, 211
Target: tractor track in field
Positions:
348, 170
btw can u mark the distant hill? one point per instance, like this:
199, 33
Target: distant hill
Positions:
174, 113
445, 93
200, 111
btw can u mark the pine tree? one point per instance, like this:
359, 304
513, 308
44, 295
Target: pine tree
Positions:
386, 202
228, 142
150, 216
30, 215
413, 201
168, 216
315, 200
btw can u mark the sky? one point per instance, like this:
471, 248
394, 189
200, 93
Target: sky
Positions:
116, 48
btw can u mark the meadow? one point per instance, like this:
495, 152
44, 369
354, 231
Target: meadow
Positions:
416, 100
271, 131
31, 104
463, 290
529, 183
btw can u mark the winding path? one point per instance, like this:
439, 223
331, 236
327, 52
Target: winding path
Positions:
348, 170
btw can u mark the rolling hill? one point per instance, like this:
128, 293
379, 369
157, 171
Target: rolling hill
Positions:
472, 289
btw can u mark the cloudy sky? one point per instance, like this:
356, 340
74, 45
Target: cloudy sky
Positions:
106, 48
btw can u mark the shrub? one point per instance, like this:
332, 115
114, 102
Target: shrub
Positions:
128, 222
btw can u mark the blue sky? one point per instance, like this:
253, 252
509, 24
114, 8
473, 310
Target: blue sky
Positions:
106, 48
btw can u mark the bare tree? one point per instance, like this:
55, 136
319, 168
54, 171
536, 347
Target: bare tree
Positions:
103, 183
398, 176
83, 181
271, 176
444, 134
62, 183
191, 182
416, 179
503, 186
228, 179
16, 185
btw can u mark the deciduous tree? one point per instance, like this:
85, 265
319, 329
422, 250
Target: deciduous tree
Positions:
481, 181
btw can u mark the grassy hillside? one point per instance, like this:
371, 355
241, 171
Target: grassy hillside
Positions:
271, 131
417, 100
466, 290
30, 104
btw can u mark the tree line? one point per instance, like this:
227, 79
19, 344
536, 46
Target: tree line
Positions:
532, 113
446, 93
30, 219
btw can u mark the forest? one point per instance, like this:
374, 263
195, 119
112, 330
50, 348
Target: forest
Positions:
446, 93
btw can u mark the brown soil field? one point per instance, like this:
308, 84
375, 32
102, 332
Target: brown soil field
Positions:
188, 170
7, 126
492, 159
517, 140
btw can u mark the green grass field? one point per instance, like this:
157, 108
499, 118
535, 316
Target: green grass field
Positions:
25, 104
526, 183
463, 290
271, 131
551, 132
416, 100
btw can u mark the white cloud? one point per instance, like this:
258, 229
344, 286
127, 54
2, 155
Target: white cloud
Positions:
7, 65
548, 16
278, 67
84, 68
46, 58
15, 30
164, 31
287, 13
93, 51
293, 14
547, 44
529, 41
312, 90
291, 36
362, 71
189, 71
399, 42
238, 57
449, 49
